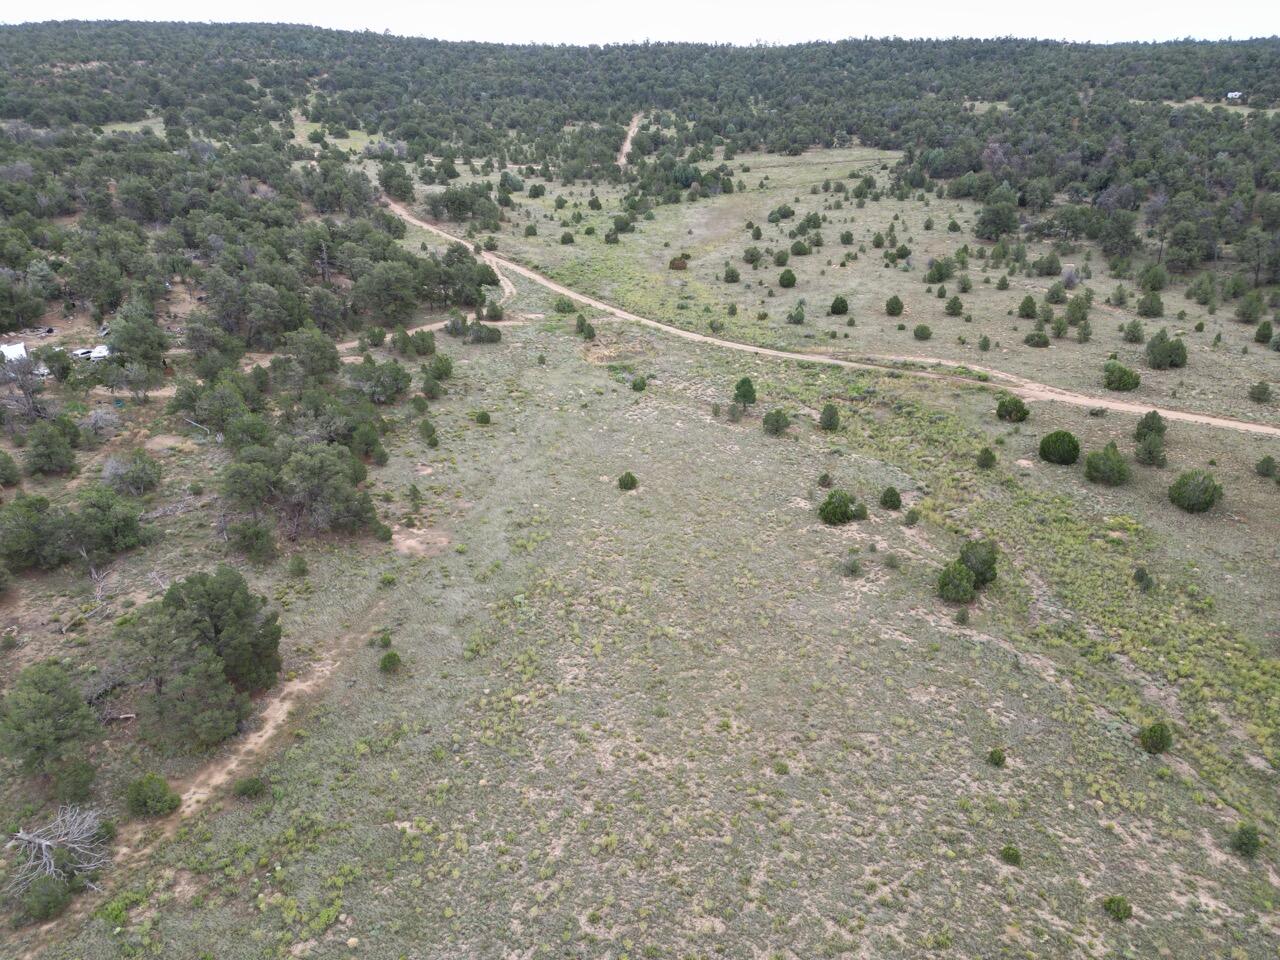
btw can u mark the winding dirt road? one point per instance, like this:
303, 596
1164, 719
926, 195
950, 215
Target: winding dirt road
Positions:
1010, 383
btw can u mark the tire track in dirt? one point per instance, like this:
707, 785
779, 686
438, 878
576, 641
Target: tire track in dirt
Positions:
1010, 383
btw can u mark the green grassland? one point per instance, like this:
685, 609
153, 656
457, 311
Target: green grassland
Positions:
635, 274
667, 723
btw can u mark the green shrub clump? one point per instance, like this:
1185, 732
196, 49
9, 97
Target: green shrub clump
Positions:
1011, 855
956, 583
1060, 447
1116, 376
1156, 737
986, 459
1195, 491
776, 422
981, 558
893, 306
250, 788
922, 332
1245, 841
837, 509
1012, 409
151, 796
1106, 466
628, 481
1117, 908
390, 662
996, 757
830, 418
891, 499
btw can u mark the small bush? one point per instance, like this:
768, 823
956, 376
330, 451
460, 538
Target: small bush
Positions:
1150, 423
1266, 467
986, 459
9, 472
1011, 855
151, 796
1117, 908
483, 418
639, 384
1116, 376
46, 898
956, 583
628, 481
1106, 466
390, 662
981, 557
893, 306
1037, 338
830, 418
922, 332
839, 306
837, 509
996, 757
1195, 491
1060, 447
1156, 737
1260, 392
891, 499
1012, 409
1150, 451
1245, 841
776, 422
787, 279
249, 788
298, 565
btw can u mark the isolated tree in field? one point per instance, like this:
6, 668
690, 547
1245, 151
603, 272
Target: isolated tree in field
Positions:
1195, 491
1027, 308
986, 459
628, 481
1106, 466
830, 417
787, 279
1060, 447
744, 392
839, 306
1148, 424
45, 723
891, 499
954, 307
1156, 738
893, 306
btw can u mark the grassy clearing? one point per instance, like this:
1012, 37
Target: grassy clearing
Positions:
664, 723
635, 274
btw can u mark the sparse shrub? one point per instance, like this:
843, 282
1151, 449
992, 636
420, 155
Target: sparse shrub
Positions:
151, 796
1027, 308
1106, 466
1011, 855
956, 583
744, 392
836, 509
1266, 467
911, 517
893, 306
1060, 447
1156, 737
859, 511
986, 459
922, 332
1036, 338
639, 384
1145, 582
1195, 491
1012, 409
390, 662
9, 473
628, 481
297, 565
1164, 353
839, 306
1117, 908
852, 566
776, 422
830, 418
1260, 392
996, 757
891, 499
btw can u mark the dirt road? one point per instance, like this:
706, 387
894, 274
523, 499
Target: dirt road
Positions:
626, 143
1020, 386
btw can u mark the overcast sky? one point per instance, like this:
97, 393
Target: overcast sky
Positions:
735, 21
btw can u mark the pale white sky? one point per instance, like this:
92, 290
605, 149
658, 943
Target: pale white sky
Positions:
726, 21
